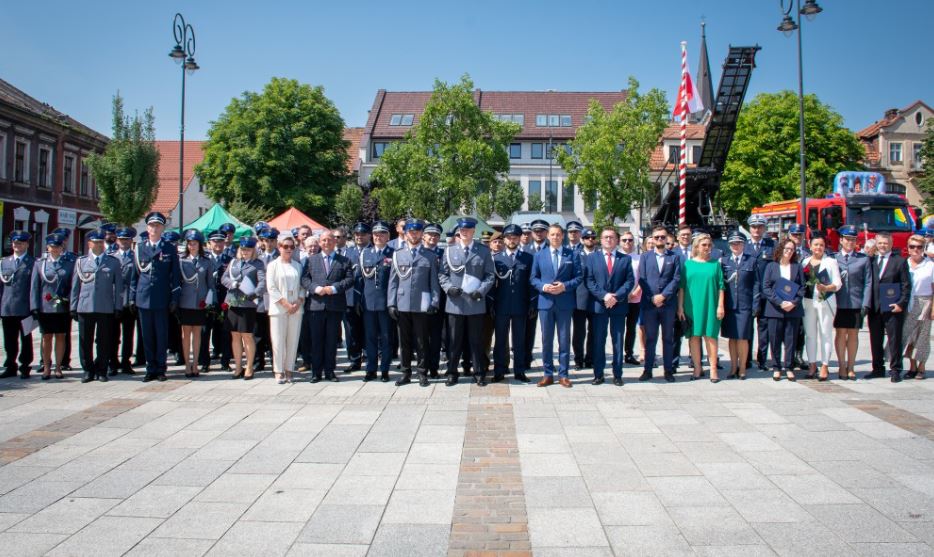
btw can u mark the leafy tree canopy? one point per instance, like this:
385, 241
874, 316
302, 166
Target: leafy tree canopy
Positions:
127, 172
926, 182
453, 160
276, 149
763, 164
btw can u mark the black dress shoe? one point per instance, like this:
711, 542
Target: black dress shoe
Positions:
103, 378
8, 373
874, 375
114, 372
24, 375
315, 379
66, 367
204, 369
225, 367
161, 377
353, 367
451, 380
646, 376
405, 379
88, 377
618, 381
896, 377
333, 379
597, 381
423, 380
370, 376
521, 377
433, 373
384, 377
149, 378
480, 380
631, 360
497, 378
670, 376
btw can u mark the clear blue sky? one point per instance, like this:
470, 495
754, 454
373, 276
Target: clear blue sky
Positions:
861, 57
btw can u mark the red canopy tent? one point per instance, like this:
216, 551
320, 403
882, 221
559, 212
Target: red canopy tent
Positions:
293, 218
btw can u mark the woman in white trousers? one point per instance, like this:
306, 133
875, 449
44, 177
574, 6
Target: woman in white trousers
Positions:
286, 302
822, 279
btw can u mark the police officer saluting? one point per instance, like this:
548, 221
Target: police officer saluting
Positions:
466, 277
413, 296
15, 282
513, 299
373, 265
96, 300
157, 290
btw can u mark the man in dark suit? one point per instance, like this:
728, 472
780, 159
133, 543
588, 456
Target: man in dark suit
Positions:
556, 273
890, 277
327, 276
513, 302
762, 248
659, 279
609, 279
582, 323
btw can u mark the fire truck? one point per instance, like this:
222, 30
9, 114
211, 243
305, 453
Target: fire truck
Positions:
859, 199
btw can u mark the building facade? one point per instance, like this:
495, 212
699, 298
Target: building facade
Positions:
893, 148
45, 182
549, 119
166, 201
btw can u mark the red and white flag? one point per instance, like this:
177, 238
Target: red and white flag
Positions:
695, 104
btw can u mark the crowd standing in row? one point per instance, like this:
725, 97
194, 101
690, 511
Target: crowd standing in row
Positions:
291, 294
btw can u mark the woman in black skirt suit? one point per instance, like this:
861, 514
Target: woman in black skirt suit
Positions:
198, 291
51, 288
741, 296
245, 280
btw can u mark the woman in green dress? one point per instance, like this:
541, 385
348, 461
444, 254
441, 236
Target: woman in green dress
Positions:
700, 303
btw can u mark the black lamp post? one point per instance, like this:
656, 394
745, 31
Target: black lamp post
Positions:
184, 55
789, 26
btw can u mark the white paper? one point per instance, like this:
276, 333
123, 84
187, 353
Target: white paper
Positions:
209, 299
247, 286
29, 324
470, 284
426, 302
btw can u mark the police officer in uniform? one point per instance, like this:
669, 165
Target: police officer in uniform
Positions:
466, 277
353, 321
373, 265
50, 291
853, 300
413, 297
157, 291
513, 297
214, 330
438, 323
110, 237
96, 299
762, 248
15, 284
69, 257
230, 246
125, 324
538, 242
269, 238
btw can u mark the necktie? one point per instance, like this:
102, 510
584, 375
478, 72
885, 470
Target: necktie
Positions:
97, 261
609, 263
15, 264
466, 252
881, 265
736, 262
327, 264
414, 253
554, 260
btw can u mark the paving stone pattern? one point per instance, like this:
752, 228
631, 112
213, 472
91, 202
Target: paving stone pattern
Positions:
220, 467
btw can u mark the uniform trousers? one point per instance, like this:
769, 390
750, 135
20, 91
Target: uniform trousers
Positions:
305, 341
818, 331
632, 323
376, 327
354, 335
554, 320
582, 338
124, 328
284, 330
154, 328
616, 323
95, 330
325, 326
510, 330
531, 322
783, 331
889, 326
215, 333
261, 334
15, 344
413, 335
436, 335
140, 347
467, 329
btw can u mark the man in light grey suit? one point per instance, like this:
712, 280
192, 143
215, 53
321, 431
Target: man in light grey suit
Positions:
15, 284
96, 300
412, 296
466, 277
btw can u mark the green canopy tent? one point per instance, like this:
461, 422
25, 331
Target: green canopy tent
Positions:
214, 217
450, 222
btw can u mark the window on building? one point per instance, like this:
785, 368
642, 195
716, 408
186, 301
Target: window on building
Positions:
395, 119
514, 118
565, 120
519, 119
535, 193
536, 150
567, 197
515, 150
590, 203
541, 120
201, 211
553, 120
550, 150
3, 156
68, 178
84, 187
378, 148
551, 196
895, 153
401, 119
696, 153
45, 167
916, 156
21, 162
674, 154
407, 119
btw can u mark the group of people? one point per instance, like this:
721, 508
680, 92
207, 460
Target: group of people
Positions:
294, 295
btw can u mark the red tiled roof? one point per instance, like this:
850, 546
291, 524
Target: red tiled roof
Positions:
167, 195
659, 162
527, 103
353, 135
887, 120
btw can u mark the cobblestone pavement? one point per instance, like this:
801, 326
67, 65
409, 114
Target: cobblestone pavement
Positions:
216, 466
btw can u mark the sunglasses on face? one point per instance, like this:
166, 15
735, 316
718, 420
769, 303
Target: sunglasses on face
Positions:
627, 240
660, 238
915, 246
287, 248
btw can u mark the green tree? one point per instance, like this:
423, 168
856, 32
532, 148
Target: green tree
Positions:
454, 160
926, 181
126, 174
280, 148
763, 164
609, 157
248, 212
348, 205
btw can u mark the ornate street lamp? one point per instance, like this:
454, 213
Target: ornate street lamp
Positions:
184, 55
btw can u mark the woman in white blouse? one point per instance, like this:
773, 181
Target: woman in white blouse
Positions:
917, 328
285, 303
822, 279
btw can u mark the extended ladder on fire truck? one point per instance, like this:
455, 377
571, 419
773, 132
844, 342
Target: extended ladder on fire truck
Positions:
703, 181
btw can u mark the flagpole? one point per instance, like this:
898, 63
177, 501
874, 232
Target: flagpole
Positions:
682, 165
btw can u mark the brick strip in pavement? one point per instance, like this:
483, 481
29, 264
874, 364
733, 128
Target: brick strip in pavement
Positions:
909, 421
24, 445
490, 517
